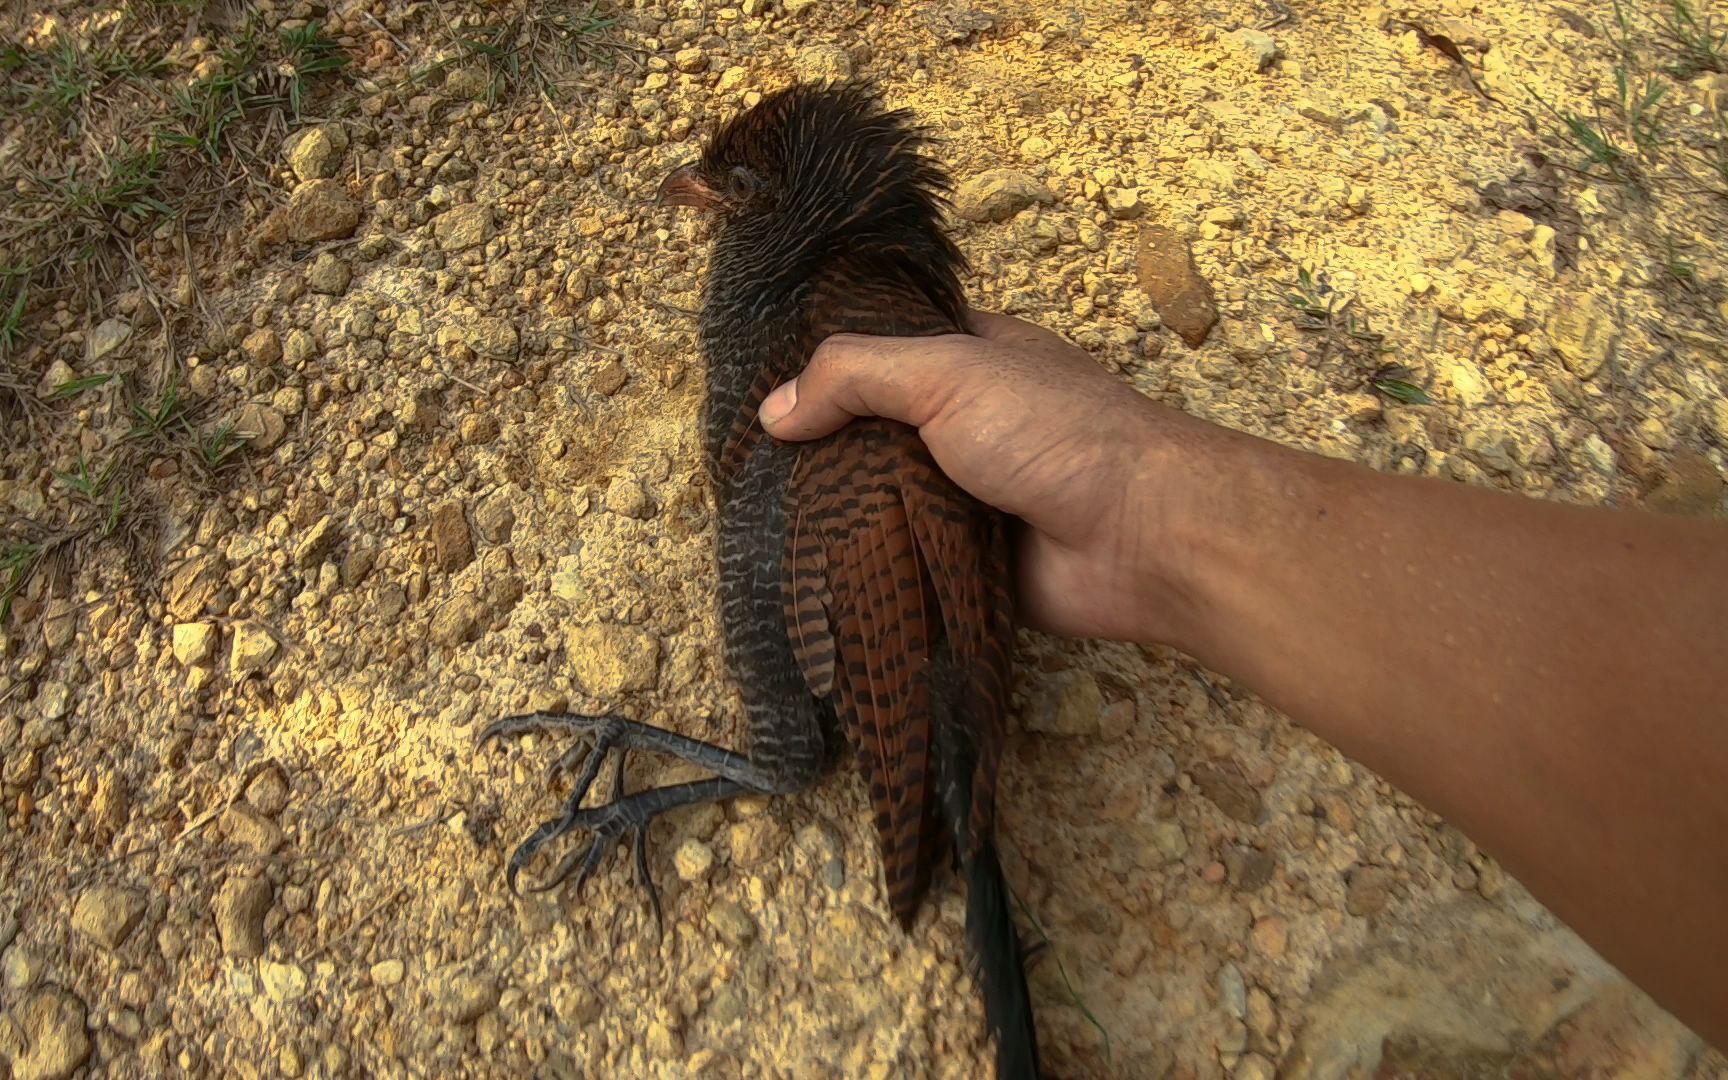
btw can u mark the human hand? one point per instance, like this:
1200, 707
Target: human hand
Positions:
1030, 424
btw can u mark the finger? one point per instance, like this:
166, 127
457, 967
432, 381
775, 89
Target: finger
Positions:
853, 375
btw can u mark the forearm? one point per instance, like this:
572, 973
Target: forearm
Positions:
1548, 678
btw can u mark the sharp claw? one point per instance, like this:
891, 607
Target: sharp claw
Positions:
643, 876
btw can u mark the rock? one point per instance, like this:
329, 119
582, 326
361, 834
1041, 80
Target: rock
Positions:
193, 585
732, 923
268, 791
260, 425
458, 620
1369, 891
54, 701
59, 373
450, 538
298, 348
850, 945
494, 518
108, 336
1068, 703
1583, 334
1123, 204
1232, 990
1259, 47
823, 63
1230, 791
1254, 1067
609, 378
240, 909
798, 7
664, 1042
819, 851
464, 998
1169, 278
495, 338
693, 860
51, 1022
478, 429
1037, 148
1160, 844
625, 497
462, 227
20, 968
59, 624
261, 347
252, 649
472, 83
1250, 869
690, 61
283, 983
998, 194
1271, 935
387, 972
317, 543
313, 155
194, 643
328, 275
107, 913
257, 834
756, 840
610, 659
318, 210
1690, 484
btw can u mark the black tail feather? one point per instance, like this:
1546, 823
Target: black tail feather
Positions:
995, 948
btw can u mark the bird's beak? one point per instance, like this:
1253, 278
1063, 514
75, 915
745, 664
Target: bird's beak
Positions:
685, 187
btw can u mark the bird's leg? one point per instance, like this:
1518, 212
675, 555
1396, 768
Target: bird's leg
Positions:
624, 815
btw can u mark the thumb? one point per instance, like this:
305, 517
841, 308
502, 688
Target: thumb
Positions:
849, 375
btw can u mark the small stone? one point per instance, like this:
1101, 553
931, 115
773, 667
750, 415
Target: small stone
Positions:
494, 518
20, 968
823, 63
1259, 47
1271, 935
54, 700
609, 378
1690, 484
458, 620
1169, 278
258, 835
693, 860
819, 850
318, 210
1037, 148
59, 624
313, 155
756, 840
664, 1043
1369, 891
1583, 334
108, 336
1253, 1067
472, 83
1069, 703
478, 429
1250, 869
59, 373
625, 497
194, 643
1230, 791
1123, 204
317, 543
329, 275
268, 791
462, 227
610, 659
387, 972
107, 913
261, 347
298, 348
54, 1041
450, 537
283, 983
465, 998
495, 338
240, 910
690, 61
252, 649
998, 194
1232, 990
1490, 880
1162, 843
356, 566
732, 923
260, 425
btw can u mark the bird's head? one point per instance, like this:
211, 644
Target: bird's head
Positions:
829, 159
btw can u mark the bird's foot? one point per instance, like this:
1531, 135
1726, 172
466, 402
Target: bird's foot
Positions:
625, 816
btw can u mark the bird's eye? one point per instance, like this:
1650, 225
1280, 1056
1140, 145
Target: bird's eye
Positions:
741, 184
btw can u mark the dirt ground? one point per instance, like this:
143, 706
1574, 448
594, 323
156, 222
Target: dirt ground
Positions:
435, 391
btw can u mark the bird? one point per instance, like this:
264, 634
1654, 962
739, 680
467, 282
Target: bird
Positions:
863, 595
